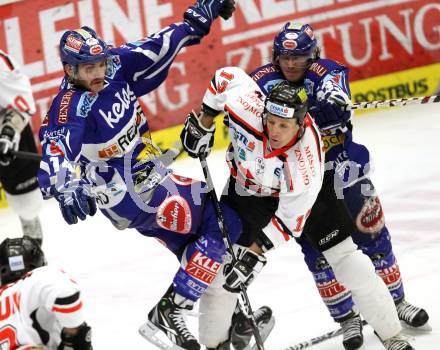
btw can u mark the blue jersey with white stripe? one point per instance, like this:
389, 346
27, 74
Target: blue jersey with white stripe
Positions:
106, 134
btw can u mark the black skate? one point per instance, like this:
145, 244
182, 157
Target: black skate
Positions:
413, 317
167, 318
241, 332
352, 332
397, 342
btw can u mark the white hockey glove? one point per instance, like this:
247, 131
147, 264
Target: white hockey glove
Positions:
196, 139
244, 271
9, 134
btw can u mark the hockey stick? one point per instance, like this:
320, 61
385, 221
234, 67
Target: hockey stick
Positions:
247, 309
320, 339
26, 155
393, 103
167, 157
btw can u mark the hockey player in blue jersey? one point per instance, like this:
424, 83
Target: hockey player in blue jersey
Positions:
296, 59
96, 127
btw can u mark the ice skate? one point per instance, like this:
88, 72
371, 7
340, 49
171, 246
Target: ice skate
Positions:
398, 342
32, 228
241, 333
352, 332
413, 317
167, 319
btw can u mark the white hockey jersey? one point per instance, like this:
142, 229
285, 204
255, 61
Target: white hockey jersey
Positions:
294, 172
15, 88
37, 307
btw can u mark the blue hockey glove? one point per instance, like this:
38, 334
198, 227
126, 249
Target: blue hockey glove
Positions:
328, 108
196, 139
201, 15
76, 201
244, 271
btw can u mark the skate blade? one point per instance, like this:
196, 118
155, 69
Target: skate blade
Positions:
265, 330
426, 328
155, 336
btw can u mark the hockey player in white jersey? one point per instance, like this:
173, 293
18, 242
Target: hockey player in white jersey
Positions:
18, 176
276, 173
41, 306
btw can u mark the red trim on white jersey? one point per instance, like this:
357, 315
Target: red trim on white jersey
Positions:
309, 124
67, 310
212, 90
7, 61
279, 228
249, 128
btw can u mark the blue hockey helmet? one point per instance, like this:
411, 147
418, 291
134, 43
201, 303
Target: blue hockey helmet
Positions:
82, 46
295, 39
19, 256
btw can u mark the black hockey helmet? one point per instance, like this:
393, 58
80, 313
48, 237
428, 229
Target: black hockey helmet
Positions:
287, 100
19, 256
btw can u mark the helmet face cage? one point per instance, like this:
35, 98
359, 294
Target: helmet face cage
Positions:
81, 46
19, 256
295, 39
287, 101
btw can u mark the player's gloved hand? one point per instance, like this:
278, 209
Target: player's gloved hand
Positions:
243, 272
227, 9
80, 339
9, 139
196, 139
201, 15
328, 108
76, 201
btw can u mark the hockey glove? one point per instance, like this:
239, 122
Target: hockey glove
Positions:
9, 137
328, 108
76, 201
196, 139
243, 271
201, 15
82, 340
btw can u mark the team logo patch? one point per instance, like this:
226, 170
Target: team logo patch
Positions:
174, 214
310, 33
182, 180
202, 268
56, 148
295, 26
280, 111
291, 35
92, 41
330, 289
95, 49
16, 263
251, 146
390, 275
73, 44
371, 219
289, 44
